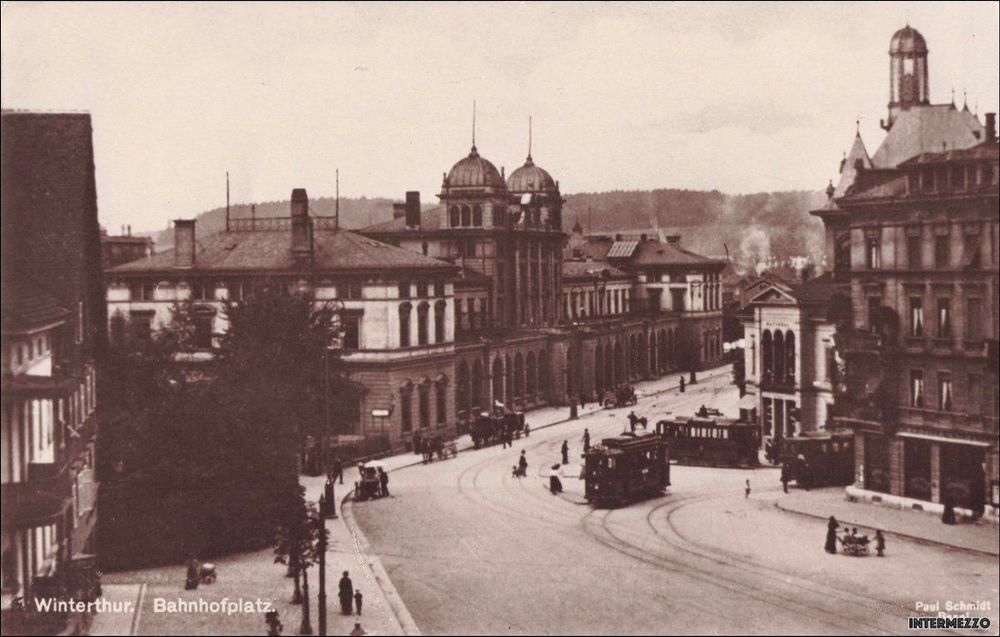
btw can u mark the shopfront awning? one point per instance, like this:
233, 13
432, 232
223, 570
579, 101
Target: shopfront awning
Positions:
954, 441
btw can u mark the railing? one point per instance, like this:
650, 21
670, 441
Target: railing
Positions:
263, 224
949, 419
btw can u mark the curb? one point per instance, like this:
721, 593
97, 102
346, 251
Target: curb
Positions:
363, 551
911, 538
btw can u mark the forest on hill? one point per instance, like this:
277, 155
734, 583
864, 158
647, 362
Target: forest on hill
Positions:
749, 228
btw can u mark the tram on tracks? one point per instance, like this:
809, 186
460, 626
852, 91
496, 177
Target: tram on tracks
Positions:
625, 468
713, 442
822, 459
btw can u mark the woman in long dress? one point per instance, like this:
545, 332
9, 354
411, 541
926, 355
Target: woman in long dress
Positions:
831, 535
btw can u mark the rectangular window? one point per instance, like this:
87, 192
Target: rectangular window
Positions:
944, 318
141, 324
974, 319
944, 391
873, 253
916, 388
404, 289
351, 331
942, 251
913, 252
970, 252
975, 401
916, 316
874, 303
439, 288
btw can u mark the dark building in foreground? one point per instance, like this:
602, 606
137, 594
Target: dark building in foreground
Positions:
53, 334
914, 238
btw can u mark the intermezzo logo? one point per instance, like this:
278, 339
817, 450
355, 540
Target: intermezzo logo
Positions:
224, 606
951, 616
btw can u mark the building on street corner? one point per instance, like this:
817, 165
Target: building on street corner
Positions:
913, 235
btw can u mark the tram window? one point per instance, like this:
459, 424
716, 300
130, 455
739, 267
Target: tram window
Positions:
836, 447
725, 435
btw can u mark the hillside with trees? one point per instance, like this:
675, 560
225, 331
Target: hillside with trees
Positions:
751, 227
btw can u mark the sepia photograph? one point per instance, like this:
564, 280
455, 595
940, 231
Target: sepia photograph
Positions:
500, 318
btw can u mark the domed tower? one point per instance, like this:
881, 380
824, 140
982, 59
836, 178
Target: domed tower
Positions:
536, 195
907, 72
474, 193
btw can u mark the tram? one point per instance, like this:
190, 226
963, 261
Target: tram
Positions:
819, 459
625, 468
714, 442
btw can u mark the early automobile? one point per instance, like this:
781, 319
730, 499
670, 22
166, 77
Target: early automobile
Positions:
369, 485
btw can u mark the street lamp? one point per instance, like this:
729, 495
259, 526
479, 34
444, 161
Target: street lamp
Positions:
321, 549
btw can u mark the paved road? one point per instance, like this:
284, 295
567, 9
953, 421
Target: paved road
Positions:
473, 550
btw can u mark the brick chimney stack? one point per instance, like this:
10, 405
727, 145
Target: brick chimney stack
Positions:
413, 209
302, 236
991, 127
398, 210
184, 243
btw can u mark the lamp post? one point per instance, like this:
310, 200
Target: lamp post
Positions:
321, 549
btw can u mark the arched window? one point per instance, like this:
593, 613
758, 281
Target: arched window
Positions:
619, 364
790, 357
609, 367
406, 407
778, 357
405, 310
497, 380
477, 215
477, 386
441, 402
466, 216
509, 384
439, 331
422, 312
543, 375
424, 403
453, 217
462, 390
518, 376
767, 357
598, 370
532, 379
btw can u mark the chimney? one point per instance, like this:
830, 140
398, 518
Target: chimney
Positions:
618, 237
991, 127
130, 230
302, 238
398, 210
413, 209
674, 238
184, 245
642, 237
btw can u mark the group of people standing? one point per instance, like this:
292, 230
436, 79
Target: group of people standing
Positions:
850, 537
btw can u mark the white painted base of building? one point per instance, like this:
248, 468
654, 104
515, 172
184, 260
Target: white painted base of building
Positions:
855, 494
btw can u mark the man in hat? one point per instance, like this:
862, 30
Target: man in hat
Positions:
346, 594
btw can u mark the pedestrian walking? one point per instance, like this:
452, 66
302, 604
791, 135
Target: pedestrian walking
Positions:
682, 383
565, 452
193, 574
746, 491
632, 419
831, 535
383, 480
555, 484
359, 600
583, 400
527, 430
338, 470
522, 464
784, 477
586, 440
346, 594
880, 543
948, 516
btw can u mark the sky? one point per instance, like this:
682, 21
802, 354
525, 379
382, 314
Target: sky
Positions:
734, 97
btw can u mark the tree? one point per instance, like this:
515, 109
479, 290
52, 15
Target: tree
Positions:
301, 537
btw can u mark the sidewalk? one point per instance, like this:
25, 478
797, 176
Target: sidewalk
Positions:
981, 538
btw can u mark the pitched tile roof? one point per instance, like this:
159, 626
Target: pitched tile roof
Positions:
270, 250
656, 253
926, 129
848, 169
26, 304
